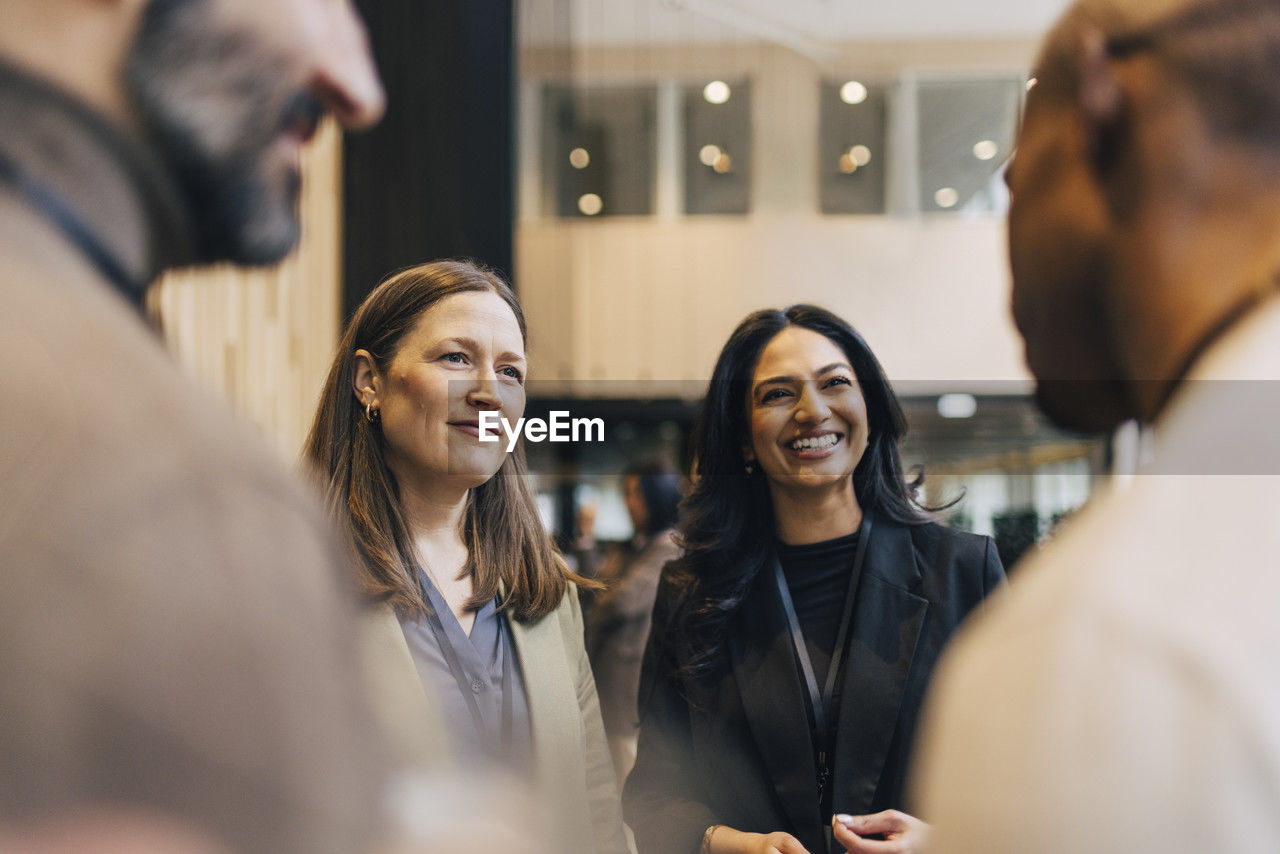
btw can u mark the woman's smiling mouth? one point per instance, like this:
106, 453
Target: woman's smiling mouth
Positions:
814, 447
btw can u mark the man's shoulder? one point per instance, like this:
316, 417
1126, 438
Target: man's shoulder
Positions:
1169, 567
1122, 672
1074, 577
102, 428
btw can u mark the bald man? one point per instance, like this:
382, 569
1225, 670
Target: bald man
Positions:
175, 639
1123, 697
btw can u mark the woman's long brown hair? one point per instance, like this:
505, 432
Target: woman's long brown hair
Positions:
501, 526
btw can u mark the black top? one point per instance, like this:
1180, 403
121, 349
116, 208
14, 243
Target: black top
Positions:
817, 577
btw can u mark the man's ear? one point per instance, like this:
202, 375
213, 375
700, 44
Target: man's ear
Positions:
365, 381
1101, 96
1101, 99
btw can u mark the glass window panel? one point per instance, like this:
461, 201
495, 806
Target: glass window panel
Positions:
598, 151
852, 150
717, 143
967, 130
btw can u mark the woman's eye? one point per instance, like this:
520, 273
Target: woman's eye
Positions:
514, 374
455, 358
773, 395
838, 381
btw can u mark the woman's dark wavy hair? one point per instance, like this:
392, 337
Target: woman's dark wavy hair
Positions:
728, 526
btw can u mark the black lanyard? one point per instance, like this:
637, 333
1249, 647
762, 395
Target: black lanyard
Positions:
63, 217
464, 681
821, 704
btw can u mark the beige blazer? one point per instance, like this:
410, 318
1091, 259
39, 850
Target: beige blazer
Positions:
574, 773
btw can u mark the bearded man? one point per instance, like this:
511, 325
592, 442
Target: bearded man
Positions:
175, 645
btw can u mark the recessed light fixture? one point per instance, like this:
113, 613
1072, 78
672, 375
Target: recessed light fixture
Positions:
853, 92
717, 92
590, 204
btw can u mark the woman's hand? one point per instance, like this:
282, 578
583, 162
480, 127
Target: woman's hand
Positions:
903, 834
726, 840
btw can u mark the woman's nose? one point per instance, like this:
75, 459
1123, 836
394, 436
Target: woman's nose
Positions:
811, 407
483, 393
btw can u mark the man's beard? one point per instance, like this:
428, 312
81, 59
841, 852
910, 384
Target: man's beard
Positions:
214, 104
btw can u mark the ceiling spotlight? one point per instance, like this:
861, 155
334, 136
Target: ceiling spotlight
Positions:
853, 92
861, 154
723, 164
947, 197
847, 164
716, 92
590, 204
708, 154
985, 150
579, 158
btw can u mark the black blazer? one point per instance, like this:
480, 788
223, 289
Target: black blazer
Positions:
736, 750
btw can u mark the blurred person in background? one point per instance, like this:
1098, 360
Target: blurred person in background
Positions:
175, 638
618, 620
445, 534
1122, 697
793, 642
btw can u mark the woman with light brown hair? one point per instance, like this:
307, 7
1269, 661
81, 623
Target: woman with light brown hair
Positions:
445, 534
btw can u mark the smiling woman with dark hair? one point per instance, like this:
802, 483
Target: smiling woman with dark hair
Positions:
792, 644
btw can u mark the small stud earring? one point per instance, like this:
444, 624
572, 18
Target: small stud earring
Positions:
751, 467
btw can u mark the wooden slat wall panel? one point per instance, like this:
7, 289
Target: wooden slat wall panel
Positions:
263, 338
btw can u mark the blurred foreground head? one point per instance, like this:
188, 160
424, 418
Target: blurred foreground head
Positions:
225, 91
1145, 212
231, 90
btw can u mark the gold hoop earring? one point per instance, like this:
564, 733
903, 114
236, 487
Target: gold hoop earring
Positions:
370, 414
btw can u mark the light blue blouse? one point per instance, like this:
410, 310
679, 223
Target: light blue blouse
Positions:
478, 681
